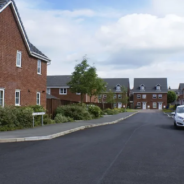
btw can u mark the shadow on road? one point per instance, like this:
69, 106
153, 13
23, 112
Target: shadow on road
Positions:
171, 127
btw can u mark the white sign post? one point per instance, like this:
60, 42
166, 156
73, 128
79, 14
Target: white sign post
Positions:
38, 114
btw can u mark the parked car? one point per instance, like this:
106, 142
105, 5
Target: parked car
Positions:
179, 116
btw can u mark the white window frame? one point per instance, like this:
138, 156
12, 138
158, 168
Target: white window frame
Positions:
39, 66
138, 96
48, 91
119, 96
118, 87
154, 107
2, 89
144, 96
115, 96
154, 96
78, 93
104, 96
17, 91
19, 59
160, 96
158, 87
139, 104
64, 91
38, 103
99, 96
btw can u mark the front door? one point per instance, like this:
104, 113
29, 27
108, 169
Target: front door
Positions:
143, 105
160, 105
119, 105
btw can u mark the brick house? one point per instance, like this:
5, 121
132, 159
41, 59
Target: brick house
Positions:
180, 94
150, 93
115, 84
23, 68
57, 86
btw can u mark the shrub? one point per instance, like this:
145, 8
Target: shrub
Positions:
95, 111
74, 111
114, 111
62, 119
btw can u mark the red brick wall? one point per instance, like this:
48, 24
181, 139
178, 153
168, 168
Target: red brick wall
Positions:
71, 96
149, 99
11, 77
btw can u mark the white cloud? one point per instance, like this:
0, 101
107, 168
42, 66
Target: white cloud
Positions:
134, 45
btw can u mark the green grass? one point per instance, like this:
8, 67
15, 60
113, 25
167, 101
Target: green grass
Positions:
131, 110
167, 110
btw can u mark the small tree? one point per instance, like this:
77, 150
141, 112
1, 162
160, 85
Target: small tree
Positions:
110, 98
124, 97
171, 96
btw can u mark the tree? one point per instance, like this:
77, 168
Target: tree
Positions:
124, 97
110, 97
85, 80
79, 82
171, 96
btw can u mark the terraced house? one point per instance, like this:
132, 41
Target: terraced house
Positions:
23, 68
150, 93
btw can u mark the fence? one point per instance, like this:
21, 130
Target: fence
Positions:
53, 104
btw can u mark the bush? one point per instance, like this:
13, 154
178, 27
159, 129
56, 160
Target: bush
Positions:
62, 119
114, 111
74, 111
95, 111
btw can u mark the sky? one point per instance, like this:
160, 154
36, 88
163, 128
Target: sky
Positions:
122, 39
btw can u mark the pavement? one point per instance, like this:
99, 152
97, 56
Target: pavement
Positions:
143, 149
48, 132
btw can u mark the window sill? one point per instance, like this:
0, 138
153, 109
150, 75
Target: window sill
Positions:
62, 94
39, 73
17, 105
18, 67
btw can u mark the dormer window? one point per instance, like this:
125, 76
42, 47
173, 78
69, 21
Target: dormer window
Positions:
118, 87
158, 87
142, 87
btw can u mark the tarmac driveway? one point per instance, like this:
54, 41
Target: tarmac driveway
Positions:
144, 149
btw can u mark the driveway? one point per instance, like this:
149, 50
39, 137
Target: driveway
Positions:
144, 149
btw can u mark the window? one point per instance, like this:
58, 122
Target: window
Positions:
144, 96
158, 87
48, 91
142, 87
115, 96
99, 96
39, 67
105, 96
38, 98
154, 105
154, 96
138, 96
119, 96
139, 104
118, 87
115, 105
1, 97
78, 93
160, 96
18, 59
17, 97
62, 91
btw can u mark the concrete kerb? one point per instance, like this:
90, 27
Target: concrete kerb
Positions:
49, 137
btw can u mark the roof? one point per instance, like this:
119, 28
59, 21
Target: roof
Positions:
51, 97
33, 51
54, 81
181, 86
112, 82
150, 85
58, 80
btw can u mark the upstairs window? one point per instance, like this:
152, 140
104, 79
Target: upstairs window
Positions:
17, 97
39, 67
160, 96
158, 87
1, 97
144, 96
119, 96
154, 96
48, 91
138, 96
99, 96
115, 96
19, 58
118, 87
78, 93
62, 91
142, 87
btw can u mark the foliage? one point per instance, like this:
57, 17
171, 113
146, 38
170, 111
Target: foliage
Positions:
110, 98
171, 96
95, 111
12, 118
113, 111
74, 111
62, 119
124, 98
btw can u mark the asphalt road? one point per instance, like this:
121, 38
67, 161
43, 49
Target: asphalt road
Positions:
144, 149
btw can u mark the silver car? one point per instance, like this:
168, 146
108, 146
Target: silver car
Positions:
179, 116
